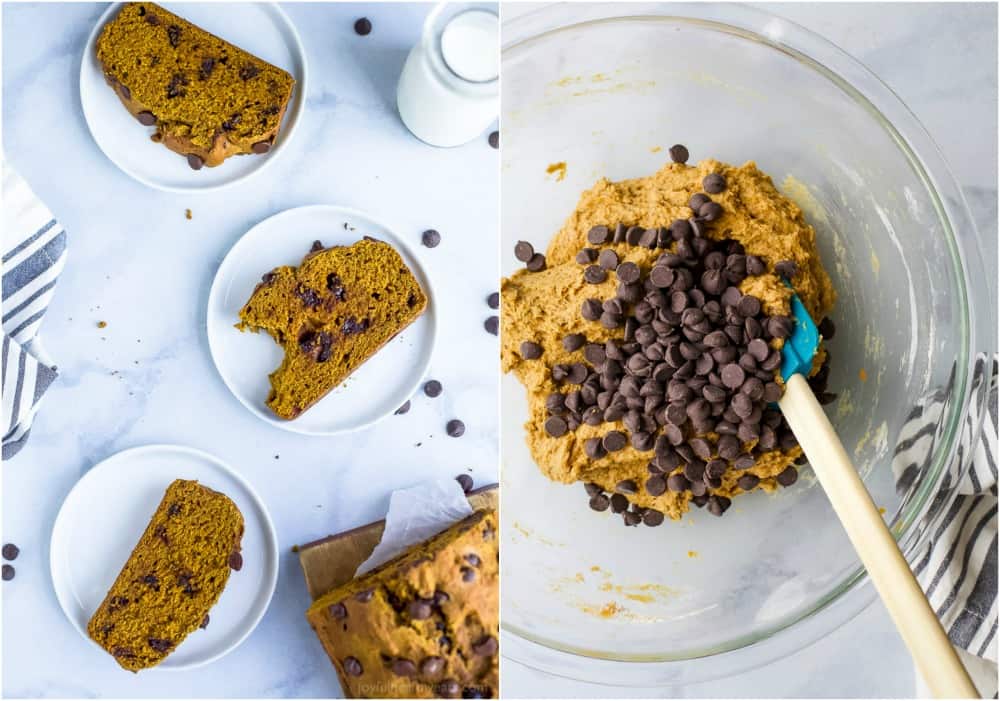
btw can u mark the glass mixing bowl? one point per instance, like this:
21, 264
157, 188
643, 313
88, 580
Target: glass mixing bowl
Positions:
606, 89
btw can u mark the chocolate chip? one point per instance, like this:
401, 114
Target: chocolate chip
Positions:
364, 596
586, 256
160, 645
492, 325
432, 666
618, 503
174, 35
352, 667
146, 118
678, 483
697, 200
420, 609
598, 235
117, 650
486, 647
195, 161
634, 235
404, 668
747, 482
710, 211
744, 462
261, 147
235, 561
455, 428
656, 485
493, 301
337, 611
717, 505
248, 72
449, 689
786, 268
468, 574
465, 481
827, 329
679, 153
732, 375
404, 408
607, 259
598, 502
536, 264
430, 238
788, 476
363, 26
713, 183
10, 551
614, 441
7, 572
523, 251
574, 341
555, 426
595, 274
204, 622
652, 517
494, 139
432, 388
628, 273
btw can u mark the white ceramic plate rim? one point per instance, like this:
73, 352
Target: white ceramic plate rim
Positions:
249, 623
335, 211
291, 119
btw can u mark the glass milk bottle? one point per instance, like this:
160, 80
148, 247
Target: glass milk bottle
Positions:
448, 90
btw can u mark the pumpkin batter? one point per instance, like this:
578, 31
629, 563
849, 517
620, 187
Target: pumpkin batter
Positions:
543, 307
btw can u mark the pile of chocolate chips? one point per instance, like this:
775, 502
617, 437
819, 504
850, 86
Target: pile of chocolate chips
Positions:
694, 358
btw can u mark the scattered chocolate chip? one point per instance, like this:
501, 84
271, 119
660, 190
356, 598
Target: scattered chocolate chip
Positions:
652, 517
363, 26
788, 476
455, 428
338, 611
747, 482
524, 251
7, 572
430, 238
598, 502
494, 139
679, 153
536, 264
195, 161
493, 301
713, 183
404, 408
204, 622
261, 147
492, 325
432, 388
352, 667
466, 482
235, 561
146, 118
10, 551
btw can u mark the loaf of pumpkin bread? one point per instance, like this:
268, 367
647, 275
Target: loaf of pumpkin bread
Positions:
207, 98
173, 577
423, 625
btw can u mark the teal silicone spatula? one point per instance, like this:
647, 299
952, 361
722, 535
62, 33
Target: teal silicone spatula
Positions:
932, 652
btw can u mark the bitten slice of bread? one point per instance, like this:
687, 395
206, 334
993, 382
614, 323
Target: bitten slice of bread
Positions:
207, 98
173, 577
331, 314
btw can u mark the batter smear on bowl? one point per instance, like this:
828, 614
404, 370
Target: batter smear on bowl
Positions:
649, 339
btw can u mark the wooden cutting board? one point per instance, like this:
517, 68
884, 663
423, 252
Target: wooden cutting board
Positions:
330, 562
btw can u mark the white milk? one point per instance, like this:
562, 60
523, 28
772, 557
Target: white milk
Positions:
448, 90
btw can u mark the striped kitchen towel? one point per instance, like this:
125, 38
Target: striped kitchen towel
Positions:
34, 252
958, 565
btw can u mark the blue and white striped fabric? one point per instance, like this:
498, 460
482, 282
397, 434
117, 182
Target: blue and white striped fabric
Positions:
958, 566
34, 252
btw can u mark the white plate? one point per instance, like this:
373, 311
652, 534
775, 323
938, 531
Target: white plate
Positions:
107, 511
263, 29
377, 388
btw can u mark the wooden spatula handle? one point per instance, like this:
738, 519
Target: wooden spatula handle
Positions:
932, 652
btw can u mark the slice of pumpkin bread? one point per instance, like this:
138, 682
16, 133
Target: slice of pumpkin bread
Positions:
331, 314
207, 98
423, 625
173, 577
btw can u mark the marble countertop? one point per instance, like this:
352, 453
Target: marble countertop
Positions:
137, 263
941, 60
